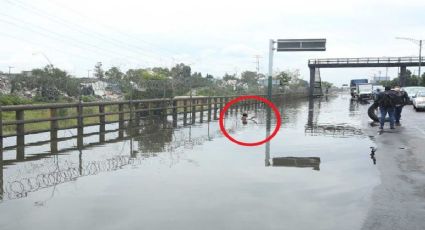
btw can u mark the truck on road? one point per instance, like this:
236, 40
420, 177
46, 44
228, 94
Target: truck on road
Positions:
364, 91
353, 86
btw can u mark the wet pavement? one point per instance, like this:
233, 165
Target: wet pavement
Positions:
317, 173
399, 200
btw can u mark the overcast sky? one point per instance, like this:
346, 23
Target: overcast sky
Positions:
212, 36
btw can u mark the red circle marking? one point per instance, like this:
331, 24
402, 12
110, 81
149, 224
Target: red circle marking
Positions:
252, 97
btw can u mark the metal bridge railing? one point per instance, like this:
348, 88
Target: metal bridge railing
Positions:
368, 60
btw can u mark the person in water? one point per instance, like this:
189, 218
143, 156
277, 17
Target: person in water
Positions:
245, 119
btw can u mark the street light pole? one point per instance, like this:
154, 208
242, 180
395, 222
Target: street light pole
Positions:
270, 78
420, 57
418, 42
45, 56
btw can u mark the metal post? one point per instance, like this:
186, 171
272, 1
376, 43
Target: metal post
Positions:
420, 58
269, 86
402, 79
312, 80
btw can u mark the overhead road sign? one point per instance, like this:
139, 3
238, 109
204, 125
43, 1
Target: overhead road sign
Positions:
301, 45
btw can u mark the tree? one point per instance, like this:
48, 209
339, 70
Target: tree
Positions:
227, 77
181, 75
211, 77
284, 78
98, 71
114, 73
250, 78
327, 85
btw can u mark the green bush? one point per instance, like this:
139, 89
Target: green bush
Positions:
14, 100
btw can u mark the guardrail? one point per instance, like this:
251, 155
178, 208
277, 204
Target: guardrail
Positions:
367, 60
60, 116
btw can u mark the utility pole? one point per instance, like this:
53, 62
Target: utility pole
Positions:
10, 67
257, 62
257, 58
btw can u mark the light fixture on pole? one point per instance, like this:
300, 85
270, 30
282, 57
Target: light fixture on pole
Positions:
45, 56
419, 43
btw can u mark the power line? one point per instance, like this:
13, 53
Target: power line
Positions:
58, 37
110, 27
74, 26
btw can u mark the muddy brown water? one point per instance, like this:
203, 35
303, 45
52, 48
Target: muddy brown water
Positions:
315, 174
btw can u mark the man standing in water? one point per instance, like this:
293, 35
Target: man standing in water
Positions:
386, 105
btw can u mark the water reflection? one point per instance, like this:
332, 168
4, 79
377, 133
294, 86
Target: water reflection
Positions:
152, 136
315, 128
299, 162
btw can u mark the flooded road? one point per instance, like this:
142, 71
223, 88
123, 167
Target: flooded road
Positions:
315, 174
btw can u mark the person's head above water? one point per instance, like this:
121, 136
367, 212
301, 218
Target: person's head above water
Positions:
244, 115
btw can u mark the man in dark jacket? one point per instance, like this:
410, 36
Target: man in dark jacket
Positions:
401, 99
386, 105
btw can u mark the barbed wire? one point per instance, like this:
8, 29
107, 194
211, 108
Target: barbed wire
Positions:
20, 188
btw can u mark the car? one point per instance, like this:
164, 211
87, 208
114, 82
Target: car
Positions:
419, 101
411, 91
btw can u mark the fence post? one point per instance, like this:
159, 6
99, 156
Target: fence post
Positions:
201, 116
174, 112
80, 124
209, 108
20, 135
221, 103
194, 101
53, 130
215, 107
102, 121
120, 120
184, 112
121, 116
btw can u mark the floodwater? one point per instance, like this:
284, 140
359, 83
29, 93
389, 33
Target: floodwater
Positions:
315, 174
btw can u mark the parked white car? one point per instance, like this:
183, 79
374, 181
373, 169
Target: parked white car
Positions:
411, 91
419, 100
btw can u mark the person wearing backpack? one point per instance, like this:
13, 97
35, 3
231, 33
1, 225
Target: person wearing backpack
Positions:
401, 99
386, 102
